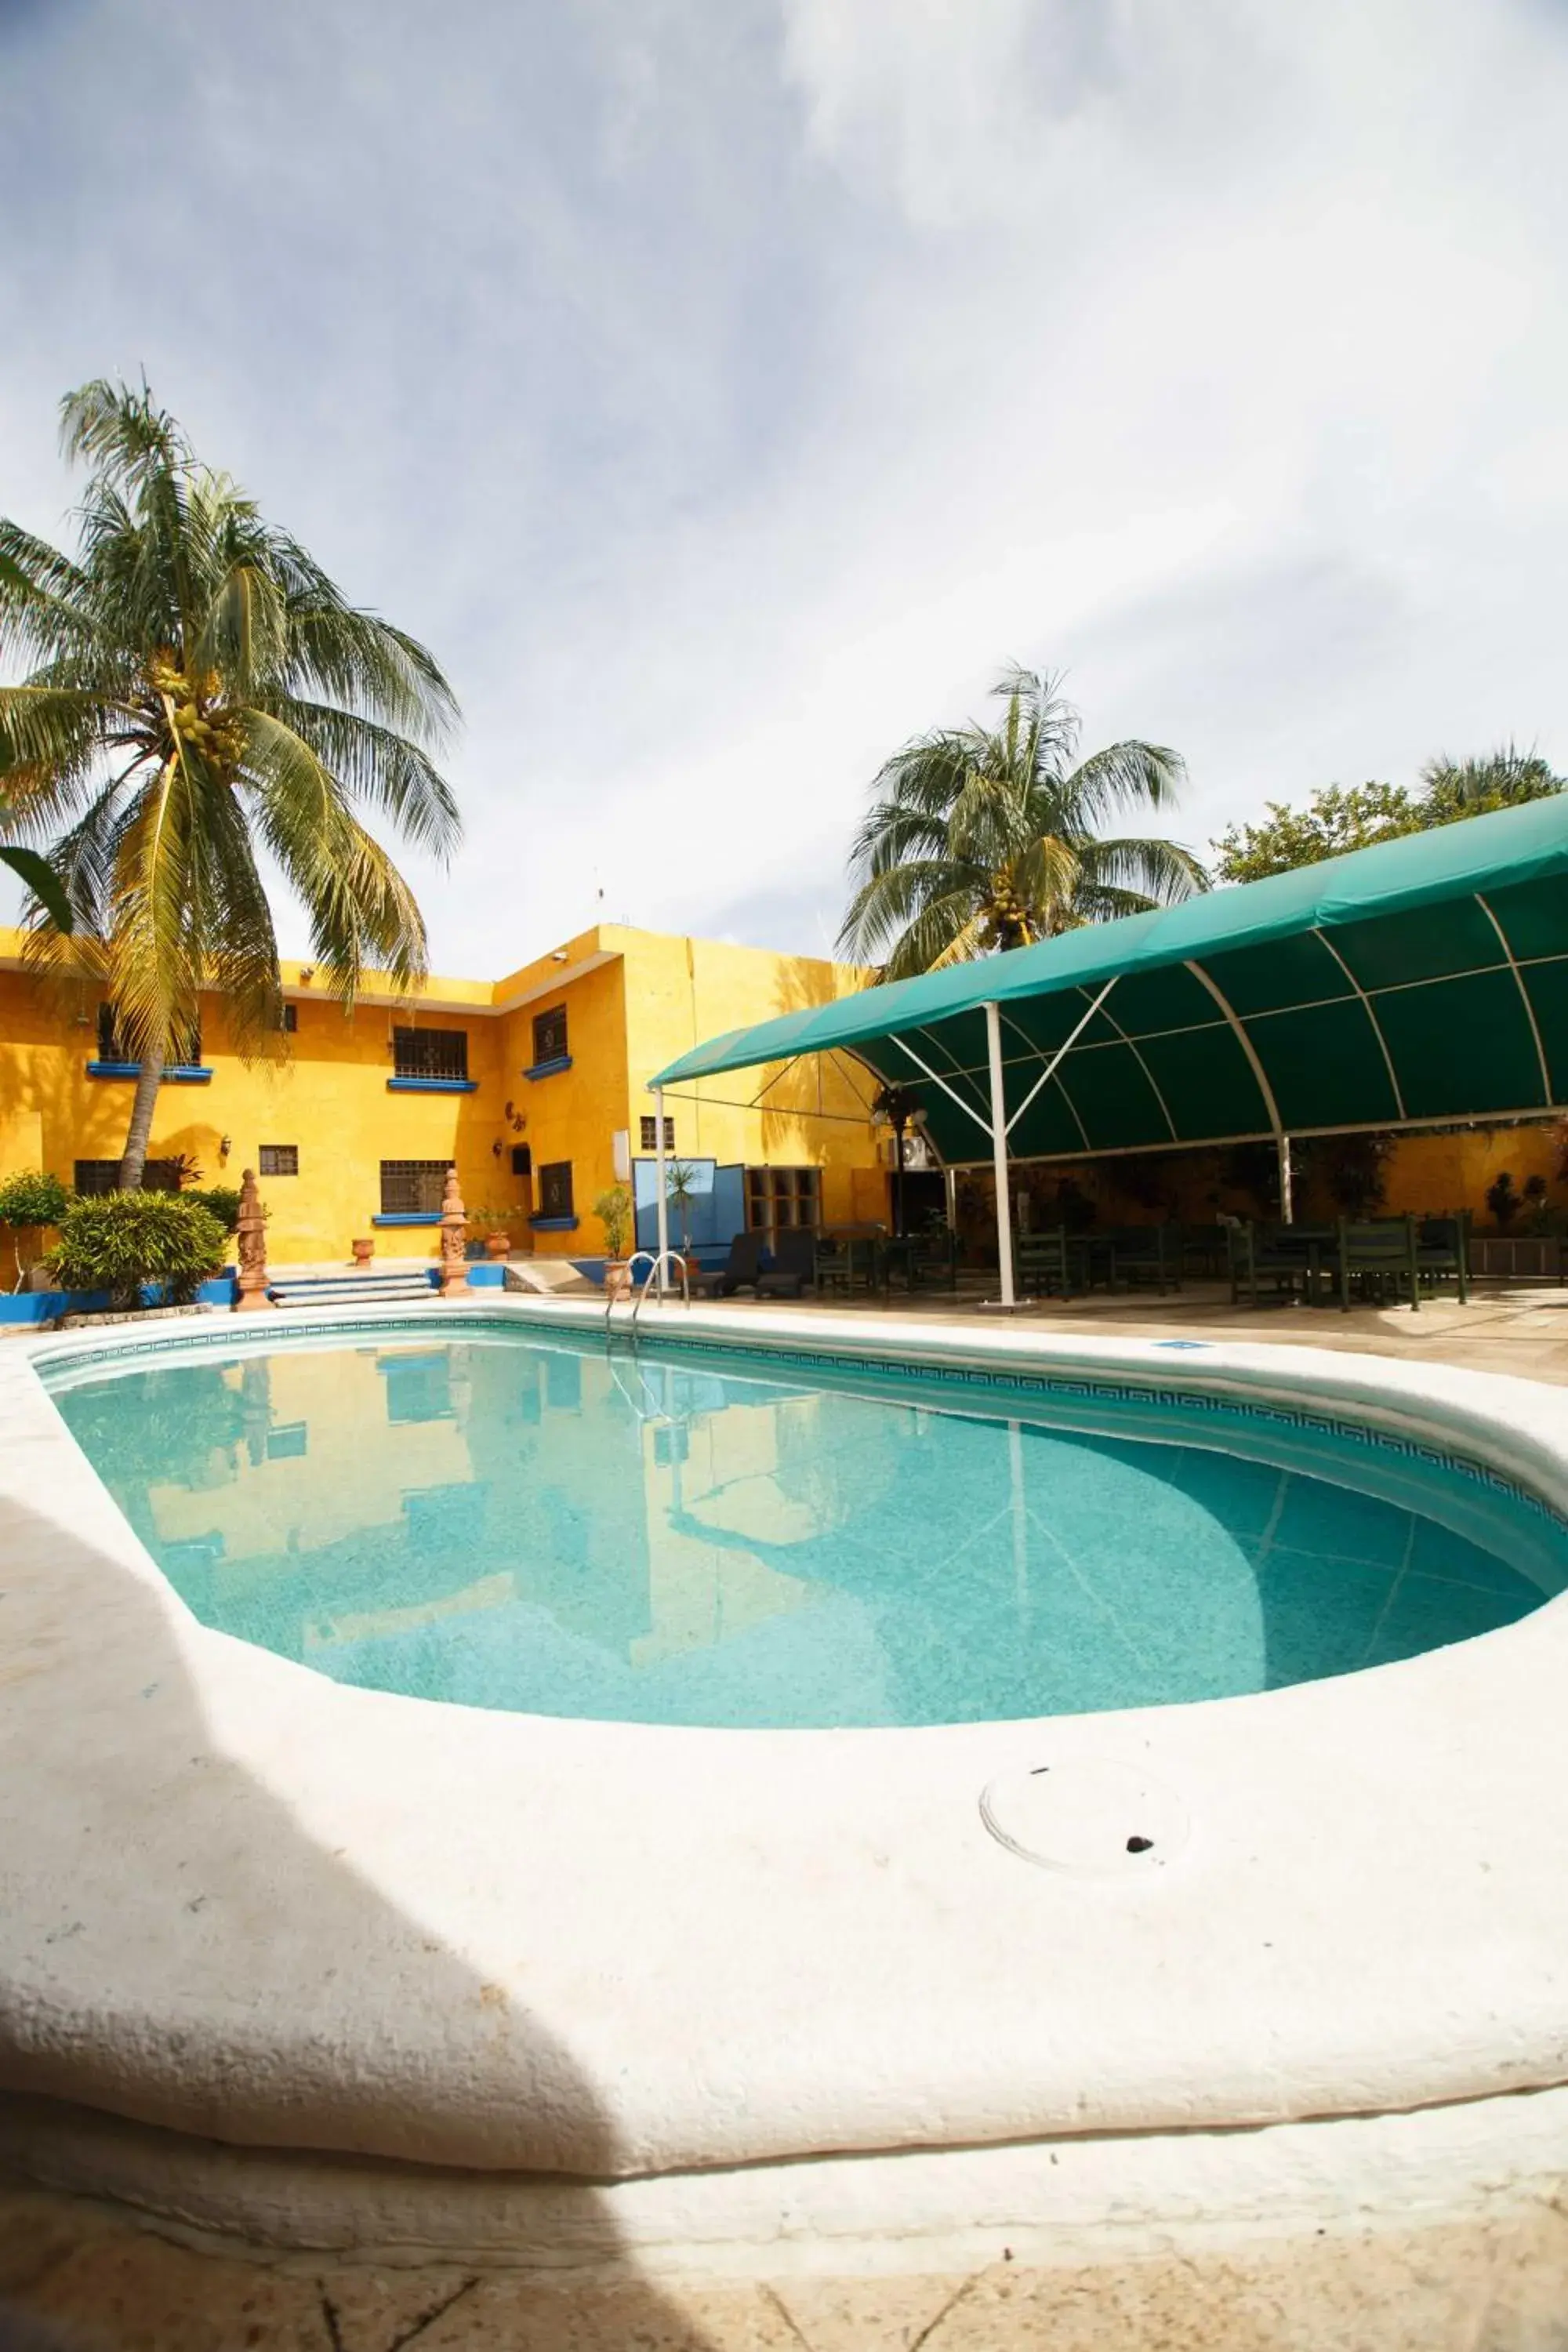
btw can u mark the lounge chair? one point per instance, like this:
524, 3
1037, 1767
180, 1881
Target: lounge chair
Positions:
741, 1270
793, 1266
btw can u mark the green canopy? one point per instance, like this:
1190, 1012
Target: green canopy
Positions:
1422, 980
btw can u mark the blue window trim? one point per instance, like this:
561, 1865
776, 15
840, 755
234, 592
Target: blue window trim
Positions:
409, 1217
554, 1224
432, 1086
178, 1074
548, 1069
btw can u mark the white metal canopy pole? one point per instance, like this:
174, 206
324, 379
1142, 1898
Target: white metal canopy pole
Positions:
1287, 1191
999, 1150
663, 1194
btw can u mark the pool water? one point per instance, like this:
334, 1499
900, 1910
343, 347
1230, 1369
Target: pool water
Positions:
525, 1520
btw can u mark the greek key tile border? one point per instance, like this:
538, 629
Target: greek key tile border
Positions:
1111, 1389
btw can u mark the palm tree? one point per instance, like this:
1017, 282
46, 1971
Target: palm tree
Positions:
197, 691
41, 879
978, 840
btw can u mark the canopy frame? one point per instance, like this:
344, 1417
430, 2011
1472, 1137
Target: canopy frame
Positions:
1420, 984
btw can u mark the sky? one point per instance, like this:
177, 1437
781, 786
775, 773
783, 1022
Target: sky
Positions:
727, 390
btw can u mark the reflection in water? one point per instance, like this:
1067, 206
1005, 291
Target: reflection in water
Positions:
534, 1524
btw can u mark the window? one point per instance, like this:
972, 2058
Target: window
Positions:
550, 1035
521, 1159
650, 1135
781, 1200
96, 1177
556, 1190
111, 1046
431, 1053
289, 1020
280, 1160
413, 1188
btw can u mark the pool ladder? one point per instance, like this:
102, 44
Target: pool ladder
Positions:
657, 1259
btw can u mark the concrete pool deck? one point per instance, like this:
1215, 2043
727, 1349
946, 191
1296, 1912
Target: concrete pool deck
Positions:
259, 1909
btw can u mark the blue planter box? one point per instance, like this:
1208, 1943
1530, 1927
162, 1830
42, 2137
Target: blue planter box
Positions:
49, 1306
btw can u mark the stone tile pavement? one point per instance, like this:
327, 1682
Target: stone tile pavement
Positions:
74, 2279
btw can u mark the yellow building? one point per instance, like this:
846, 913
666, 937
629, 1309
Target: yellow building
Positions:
534, 1087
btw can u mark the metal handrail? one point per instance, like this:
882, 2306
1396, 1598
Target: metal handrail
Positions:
652, 1276
652, 1257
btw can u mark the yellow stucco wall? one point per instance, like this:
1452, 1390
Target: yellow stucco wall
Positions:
634, 1000
813, 1113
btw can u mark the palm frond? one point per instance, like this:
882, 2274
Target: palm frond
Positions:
43, 882
1161, 871
380, 768
1124, 776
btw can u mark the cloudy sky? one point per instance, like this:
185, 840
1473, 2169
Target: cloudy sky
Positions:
726, 388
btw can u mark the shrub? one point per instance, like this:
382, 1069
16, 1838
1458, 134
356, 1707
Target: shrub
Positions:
28, 1203
223, 1200
119, 1241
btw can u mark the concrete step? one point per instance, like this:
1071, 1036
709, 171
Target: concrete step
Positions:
352, 1290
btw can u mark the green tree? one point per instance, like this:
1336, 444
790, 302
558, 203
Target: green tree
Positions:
197, 691
1340, 818
980, 839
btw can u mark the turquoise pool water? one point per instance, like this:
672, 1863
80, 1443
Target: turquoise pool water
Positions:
518, 1519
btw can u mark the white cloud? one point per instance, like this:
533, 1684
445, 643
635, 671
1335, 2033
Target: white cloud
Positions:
726, 394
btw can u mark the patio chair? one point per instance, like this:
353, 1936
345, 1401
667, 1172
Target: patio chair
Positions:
1047, 1262
1148, 1253
1287, 1255
1443, 1249
1202, 1248
793, 1268
1379, 1258
741, 1270
847, 1258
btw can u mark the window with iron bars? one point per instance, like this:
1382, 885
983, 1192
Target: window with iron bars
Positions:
556, 1190
278, 1160
650, 1134
111, 1046
431, 1053
412, 1188
93, 1178
550, 1035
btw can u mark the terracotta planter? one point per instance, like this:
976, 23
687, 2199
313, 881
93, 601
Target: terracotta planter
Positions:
497, 1244
363, 1251
618, 1277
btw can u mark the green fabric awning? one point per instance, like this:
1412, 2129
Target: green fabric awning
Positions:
1422, 980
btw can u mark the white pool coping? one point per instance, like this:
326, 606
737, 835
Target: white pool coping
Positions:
242, 1902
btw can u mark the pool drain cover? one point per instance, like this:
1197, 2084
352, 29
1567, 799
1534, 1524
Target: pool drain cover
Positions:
1089, 1814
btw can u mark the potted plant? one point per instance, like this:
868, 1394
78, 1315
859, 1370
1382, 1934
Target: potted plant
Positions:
364, 1249
680, 1191
490, 1227
613, 1211
30, 1205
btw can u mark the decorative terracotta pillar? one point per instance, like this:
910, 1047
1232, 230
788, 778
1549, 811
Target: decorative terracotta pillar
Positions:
454, 1234
251, 1233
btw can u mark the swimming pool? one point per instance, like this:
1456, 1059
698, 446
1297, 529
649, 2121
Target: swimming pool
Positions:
526, 1520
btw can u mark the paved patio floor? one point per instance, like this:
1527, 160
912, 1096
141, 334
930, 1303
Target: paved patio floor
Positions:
1505, 1327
